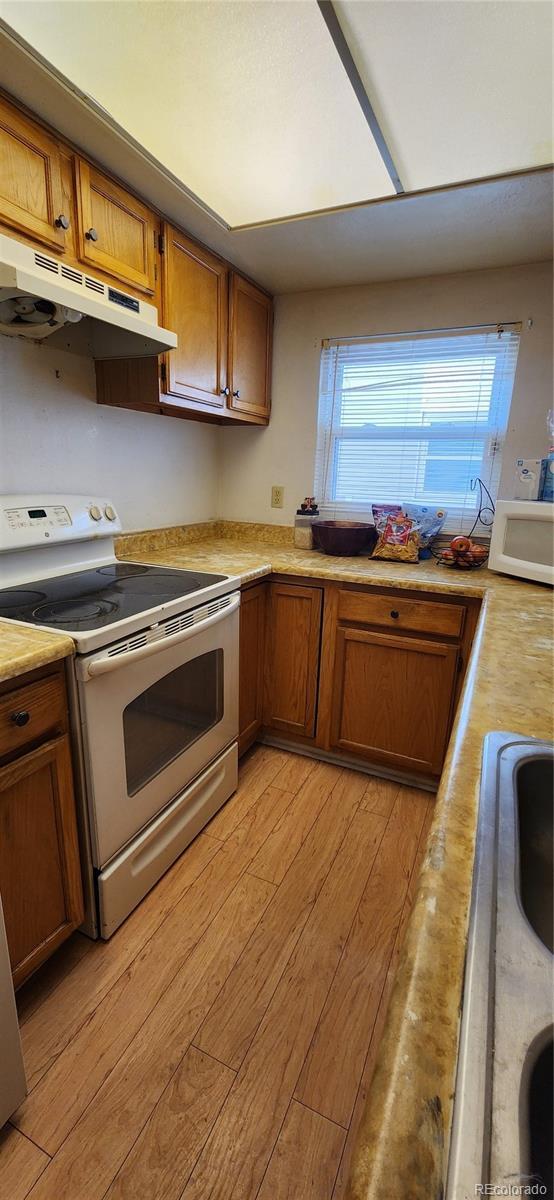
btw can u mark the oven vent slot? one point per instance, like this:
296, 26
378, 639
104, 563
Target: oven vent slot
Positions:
172, 626
133, 643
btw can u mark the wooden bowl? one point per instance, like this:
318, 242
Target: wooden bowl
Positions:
344, 537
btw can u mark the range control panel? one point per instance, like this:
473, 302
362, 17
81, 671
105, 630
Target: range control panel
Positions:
37, 518
27, 521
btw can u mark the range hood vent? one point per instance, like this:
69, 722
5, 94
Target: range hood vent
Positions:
39, 295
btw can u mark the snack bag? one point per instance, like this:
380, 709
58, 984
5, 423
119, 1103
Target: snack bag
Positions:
428, 521
398, 538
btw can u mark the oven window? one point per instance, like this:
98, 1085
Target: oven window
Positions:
170, 715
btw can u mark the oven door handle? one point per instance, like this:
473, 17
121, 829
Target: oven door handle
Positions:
107, 662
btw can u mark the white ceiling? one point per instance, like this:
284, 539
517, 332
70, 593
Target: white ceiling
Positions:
497, 223
488, 224
247, 103
462, 88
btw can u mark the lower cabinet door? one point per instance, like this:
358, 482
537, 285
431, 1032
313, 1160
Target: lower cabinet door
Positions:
252, 637
40, 878
293, 634
393, 699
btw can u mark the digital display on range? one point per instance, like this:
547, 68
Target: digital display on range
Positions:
36, 512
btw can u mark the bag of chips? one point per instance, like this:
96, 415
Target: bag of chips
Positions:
398, 539
406, 530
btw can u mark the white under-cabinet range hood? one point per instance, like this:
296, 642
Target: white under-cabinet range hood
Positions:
43, 297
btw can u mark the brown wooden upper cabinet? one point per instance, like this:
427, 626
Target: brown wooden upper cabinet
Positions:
195, 305
116, 232
293, 634
220, 369
31, 194
250, 348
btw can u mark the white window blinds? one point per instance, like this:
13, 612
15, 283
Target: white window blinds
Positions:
413, 417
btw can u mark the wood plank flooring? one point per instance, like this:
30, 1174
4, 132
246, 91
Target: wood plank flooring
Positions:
221, 1045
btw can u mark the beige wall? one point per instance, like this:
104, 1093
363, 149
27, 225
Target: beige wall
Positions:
55, 438
252, 460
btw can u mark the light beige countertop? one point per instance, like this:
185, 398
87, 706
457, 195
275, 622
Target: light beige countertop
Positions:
402, 1148
23, 648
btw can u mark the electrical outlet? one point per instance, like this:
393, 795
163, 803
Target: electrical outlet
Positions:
277, 496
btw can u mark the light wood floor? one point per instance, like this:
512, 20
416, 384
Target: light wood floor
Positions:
221, 1045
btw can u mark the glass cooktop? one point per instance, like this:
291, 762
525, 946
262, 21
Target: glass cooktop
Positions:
91, 599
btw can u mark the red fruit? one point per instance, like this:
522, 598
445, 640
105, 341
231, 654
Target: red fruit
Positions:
460, 544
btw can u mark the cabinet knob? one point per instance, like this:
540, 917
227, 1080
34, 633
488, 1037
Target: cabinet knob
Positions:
225, 391
62, 222
236, 394
20, 718
91, 235
394, 614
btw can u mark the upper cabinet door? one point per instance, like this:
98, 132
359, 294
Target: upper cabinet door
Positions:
117, 233
195, 305
250, 348
31, 194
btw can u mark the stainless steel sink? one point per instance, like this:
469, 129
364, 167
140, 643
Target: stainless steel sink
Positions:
534, 785
502, 1128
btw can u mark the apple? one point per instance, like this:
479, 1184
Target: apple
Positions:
460, 544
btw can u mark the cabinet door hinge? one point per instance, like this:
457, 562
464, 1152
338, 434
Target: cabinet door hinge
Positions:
161, 243
163, 372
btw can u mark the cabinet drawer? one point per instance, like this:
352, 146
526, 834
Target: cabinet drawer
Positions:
40, 707
416, 616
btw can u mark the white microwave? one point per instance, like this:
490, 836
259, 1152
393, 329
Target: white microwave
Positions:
522, 541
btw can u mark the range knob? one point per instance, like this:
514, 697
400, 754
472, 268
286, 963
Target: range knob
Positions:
110, 512
95, 512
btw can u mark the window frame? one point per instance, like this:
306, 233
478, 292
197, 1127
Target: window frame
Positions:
487, 437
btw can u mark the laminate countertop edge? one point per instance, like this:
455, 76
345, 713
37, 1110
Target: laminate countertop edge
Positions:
23, 648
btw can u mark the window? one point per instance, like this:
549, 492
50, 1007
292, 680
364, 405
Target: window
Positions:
414, 417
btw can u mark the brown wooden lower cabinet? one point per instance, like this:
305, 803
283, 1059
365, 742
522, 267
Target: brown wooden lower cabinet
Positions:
392, 699
293, 635
40, 876
367, 674
251, 681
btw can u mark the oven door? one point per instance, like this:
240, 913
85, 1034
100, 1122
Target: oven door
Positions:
156, 708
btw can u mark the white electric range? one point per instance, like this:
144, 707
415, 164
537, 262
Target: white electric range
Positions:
153, 688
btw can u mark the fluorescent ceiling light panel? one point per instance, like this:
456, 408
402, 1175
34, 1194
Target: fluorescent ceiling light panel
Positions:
246, 102
462, 89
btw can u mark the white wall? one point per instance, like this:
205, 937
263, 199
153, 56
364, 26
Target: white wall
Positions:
253, 460
164, 471
54, 437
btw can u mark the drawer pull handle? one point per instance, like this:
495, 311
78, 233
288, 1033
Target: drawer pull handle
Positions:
20, 718
394, 614
225, 391
236, 394
91, 235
